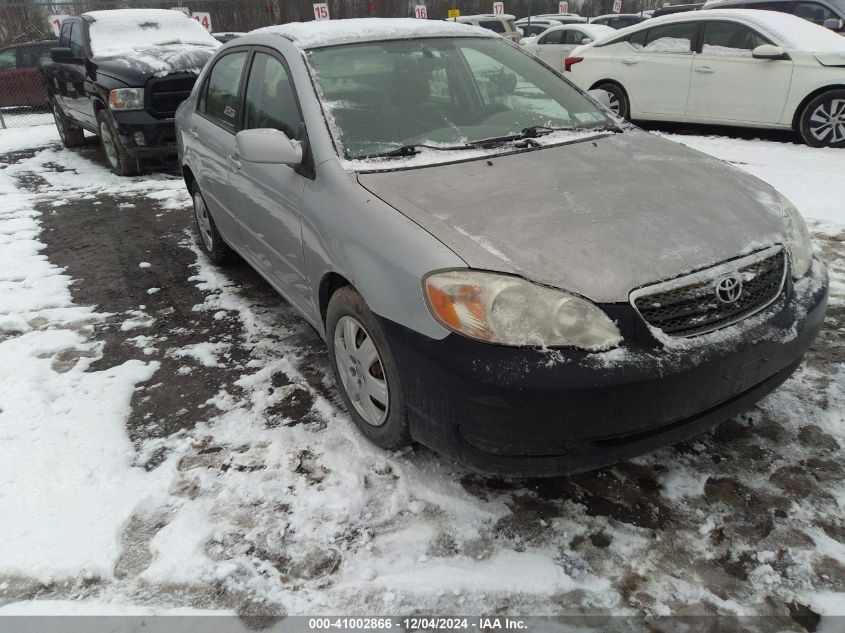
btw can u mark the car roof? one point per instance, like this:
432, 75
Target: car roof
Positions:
616, 15
793, 32
320, 33
487, 16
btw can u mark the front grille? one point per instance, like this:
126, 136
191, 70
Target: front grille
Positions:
164, 94
689, 305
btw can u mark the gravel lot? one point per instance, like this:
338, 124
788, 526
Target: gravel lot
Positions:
248, 488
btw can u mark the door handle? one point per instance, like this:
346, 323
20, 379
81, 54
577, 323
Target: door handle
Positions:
630, 61
234, 161
705, 70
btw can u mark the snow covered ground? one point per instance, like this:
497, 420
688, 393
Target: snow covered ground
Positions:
171, 439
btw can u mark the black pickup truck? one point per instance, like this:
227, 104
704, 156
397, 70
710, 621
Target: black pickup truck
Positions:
121, 75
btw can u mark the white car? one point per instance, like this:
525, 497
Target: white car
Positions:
729, 67
503, 24
555, 44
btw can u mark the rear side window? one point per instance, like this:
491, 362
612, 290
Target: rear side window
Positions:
220, 98
728, 39
670, 38
493, 25
270, 101
77, 43
574, 37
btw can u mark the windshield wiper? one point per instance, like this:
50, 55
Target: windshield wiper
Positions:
413, 150
536, 131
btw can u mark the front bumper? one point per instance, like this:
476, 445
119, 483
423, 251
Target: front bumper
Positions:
531, 412
159, 135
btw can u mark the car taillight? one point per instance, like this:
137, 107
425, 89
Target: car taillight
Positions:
570, 62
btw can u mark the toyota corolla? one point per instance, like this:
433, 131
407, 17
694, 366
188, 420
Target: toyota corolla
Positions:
502, 270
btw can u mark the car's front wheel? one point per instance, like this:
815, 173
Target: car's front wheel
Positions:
365, 370
618, 100
120, 162
71, 134
823, 120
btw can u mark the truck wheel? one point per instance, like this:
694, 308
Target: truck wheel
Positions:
120, 162
212, 242
823, 120
71, 134
365, 371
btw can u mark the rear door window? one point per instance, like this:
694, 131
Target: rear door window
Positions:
77, 41
220, 97
671, 38
64, 39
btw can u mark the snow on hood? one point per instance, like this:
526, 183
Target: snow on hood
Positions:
159, 61
333, 32
598, 218
126, 32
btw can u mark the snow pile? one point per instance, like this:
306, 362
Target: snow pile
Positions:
67, 483
121, 32
333, 32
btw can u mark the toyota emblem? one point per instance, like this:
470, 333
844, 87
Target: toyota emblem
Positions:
729, 288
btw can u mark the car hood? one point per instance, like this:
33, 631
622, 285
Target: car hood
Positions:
598, 218
136, 67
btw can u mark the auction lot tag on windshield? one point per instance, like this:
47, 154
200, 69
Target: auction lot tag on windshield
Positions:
420, 12
321, 11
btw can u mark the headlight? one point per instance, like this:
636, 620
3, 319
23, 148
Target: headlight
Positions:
513, 311
798, 237
127, 99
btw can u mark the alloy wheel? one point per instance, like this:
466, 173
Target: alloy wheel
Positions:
361, 371
203, 221
827, 122
108, 144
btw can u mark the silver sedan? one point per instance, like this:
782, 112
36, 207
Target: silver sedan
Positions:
501, 269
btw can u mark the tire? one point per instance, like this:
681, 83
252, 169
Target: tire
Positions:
359, 378
209, 237
70, 133
120, 162
822, 122
618, 99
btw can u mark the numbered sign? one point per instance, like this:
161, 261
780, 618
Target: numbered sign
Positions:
56, 23
321, 11
203, 18
454, 13
498, 8
617, 6
563, 7
420, 12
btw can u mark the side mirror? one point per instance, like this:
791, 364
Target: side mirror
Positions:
767, 51
602, 96
587, 40
62, 56
266, 145
834, 24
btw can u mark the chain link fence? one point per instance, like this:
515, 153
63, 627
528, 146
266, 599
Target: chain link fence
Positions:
26, 32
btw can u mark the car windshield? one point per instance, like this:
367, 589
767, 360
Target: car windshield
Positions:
442, 93
118, 35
